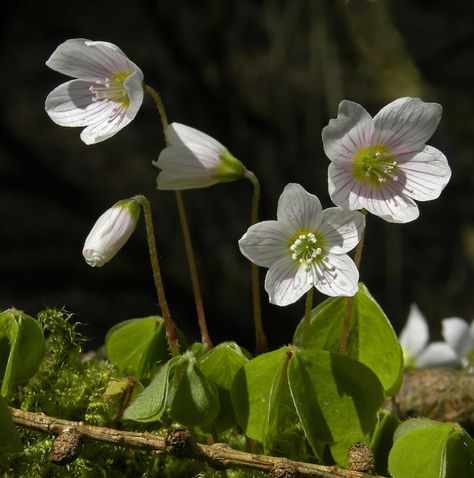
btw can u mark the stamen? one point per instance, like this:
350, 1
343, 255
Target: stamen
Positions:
111, 89
306, 250
375, 164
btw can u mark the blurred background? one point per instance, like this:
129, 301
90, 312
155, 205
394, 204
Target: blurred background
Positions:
262, 77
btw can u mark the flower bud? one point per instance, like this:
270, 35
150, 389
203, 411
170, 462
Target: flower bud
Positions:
110, 232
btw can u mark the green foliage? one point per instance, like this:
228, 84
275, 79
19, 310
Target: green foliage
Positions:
9, 438
372, 340
23, 348
331, 397
425, 448
65, 384
135, 346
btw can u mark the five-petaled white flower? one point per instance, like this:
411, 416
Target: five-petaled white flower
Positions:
382, 164
305, 247
111, 231
106, 95
193, 159
414, 341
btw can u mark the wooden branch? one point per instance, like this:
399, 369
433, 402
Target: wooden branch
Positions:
218, 455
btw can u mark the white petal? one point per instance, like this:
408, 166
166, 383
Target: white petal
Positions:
169, 181
341, 229
352, 130
425, 174
198, 143
265, 243
70, 104
298, 208
133, 85
285, 283
389, 202
456, 332
181, 160
406, 124
108, 235
106, 125
437, 354
344, 189
90, 60
414, 336
336, 275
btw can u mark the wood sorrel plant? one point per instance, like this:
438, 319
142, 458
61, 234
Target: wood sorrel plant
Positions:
313, 400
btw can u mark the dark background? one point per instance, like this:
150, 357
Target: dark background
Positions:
263, 77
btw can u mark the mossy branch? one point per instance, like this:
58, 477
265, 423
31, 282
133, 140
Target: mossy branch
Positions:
218, 455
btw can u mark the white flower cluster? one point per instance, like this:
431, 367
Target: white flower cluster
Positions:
380, 164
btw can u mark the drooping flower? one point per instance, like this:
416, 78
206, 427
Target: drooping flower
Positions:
111, 231
414, 341
106, 94
305, 247
194, 159
382, 164
459, 335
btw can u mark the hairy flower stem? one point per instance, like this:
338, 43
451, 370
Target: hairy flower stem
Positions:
155, 266
188, 245
307, 315
260, 338
350, 300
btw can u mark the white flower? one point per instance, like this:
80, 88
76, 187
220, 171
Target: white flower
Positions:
382, 164
193, 159
106, 95
305, 247
110, 232
459, 335
414, 339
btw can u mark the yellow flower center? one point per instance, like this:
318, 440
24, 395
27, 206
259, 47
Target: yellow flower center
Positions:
375, 165
111, 89
306, 248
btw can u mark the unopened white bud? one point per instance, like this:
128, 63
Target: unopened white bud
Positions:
110, 232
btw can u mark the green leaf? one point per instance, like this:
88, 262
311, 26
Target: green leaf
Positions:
135, 346
382, 440
195, 401
150, 405
220, 366
336, 398
23, 336
263, 404
9, 437
222, 362
426, 449
372, 340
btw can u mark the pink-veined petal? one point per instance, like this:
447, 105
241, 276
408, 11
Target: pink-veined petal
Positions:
298, 208
341, 229
104, 128
352, 130
406, 124
414, 336
336, 275
285, 282
457, 334
90, 60
426, 173
265, 243
389, 202
437, 354
344, 189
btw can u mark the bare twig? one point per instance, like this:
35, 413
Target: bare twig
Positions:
218, 455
